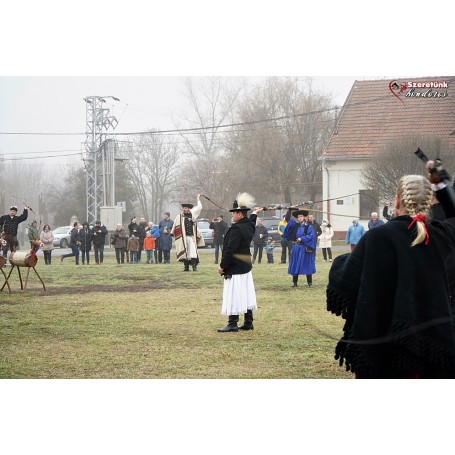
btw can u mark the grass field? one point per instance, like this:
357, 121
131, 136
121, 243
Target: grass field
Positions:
156, 321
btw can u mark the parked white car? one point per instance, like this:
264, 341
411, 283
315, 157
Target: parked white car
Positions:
62, 236
207, 233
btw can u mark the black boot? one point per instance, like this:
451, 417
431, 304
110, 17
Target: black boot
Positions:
248, 323
295, 278
186, 264
194, 264
232, 324
309, 280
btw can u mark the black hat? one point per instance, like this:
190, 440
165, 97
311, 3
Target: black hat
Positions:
190, 206
236, 208
85, 223
242, 202
13, 207
97, 222
300, 212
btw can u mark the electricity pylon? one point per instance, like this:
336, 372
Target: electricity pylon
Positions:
99, 160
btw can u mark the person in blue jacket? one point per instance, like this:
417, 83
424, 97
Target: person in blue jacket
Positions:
354, 233
155, 231
303, 238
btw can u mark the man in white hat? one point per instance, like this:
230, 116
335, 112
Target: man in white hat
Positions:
239, 295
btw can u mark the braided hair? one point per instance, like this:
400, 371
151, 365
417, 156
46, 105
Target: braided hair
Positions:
415, 194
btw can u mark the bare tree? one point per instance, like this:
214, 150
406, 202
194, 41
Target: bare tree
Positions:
279, 155
152, 171
212, 103
25, 182
396, 158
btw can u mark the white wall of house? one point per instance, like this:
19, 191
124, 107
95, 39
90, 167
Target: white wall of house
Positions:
341, 183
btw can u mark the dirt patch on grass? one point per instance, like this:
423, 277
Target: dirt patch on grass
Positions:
118, 288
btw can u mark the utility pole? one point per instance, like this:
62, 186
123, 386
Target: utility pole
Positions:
99, 157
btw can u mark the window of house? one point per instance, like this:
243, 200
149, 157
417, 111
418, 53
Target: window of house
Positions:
368, 202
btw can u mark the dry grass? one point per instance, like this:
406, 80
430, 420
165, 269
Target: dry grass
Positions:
155, 321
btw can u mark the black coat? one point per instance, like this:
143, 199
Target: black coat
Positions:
219, 231
85, 237
99, 235
10, 224
395, 300
236, 257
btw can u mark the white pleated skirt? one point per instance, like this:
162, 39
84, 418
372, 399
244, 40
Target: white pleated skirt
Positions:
191, 249
238, 294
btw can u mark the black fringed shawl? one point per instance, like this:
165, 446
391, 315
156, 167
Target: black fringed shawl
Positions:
395, 301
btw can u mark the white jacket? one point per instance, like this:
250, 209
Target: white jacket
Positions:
325, 239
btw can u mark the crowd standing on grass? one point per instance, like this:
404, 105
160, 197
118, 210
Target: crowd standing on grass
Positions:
393, 290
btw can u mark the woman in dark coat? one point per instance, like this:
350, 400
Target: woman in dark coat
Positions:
119, 238
392, 290
85, 237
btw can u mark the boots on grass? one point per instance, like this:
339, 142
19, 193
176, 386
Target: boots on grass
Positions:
194, 264
295, 279
309, 280
232, 324
186, 264
248, 323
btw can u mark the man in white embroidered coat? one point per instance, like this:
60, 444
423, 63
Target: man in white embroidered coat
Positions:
187, 235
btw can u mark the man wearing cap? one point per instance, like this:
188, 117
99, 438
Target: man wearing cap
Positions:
303, 238
165, 239
9, 225
187, 236
99, 233
239, 295
34, 236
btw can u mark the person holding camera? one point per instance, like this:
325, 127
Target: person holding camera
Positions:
393, 291
99, 233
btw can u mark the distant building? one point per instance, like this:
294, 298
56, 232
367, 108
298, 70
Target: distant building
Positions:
375, 112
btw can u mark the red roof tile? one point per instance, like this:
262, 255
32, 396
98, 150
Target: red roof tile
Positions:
372, 114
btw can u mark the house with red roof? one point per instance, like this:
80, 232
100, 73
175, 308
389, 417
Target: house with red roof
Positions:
377, 111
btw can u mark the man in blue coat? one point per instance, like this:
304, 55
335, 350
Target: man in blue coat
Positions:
303, 238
